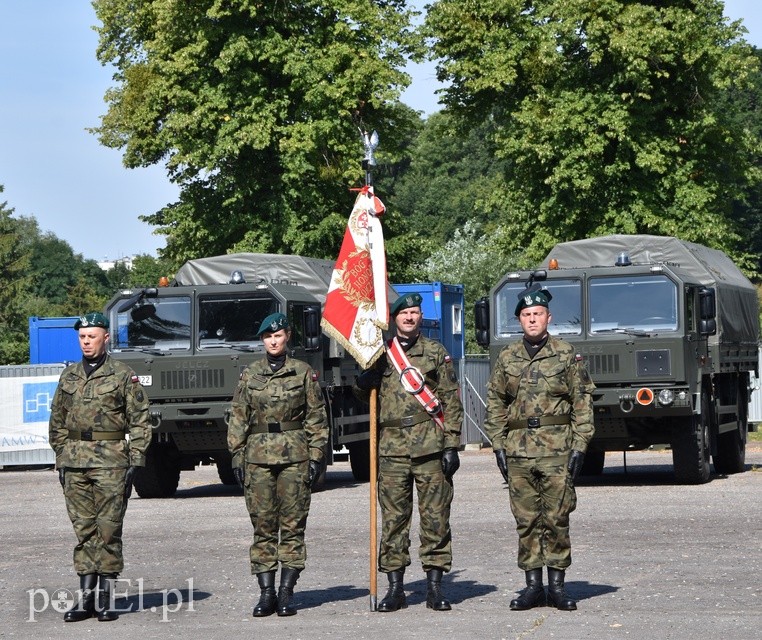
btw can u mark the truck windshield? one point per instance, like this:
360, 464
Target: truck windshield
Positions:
164, 324
226, 319
565, 308
643, 303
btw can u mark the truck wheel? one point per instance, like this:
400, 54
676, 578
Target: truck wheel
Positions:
690, 447
359, 460
731, 446
225, 470
593, 464
161, 475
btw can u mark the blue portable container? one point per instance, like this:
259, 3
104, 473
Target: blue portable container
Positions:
53, 340
443, 318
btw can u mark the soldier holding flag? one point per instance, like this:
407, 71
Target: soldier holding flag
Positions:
420, 416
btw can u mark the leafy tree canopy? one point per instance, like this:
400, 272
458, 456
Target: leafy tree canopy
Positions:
606, 114
255, 108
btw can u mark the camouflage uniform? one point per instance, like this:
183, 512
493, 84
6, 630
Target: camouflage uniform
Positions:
414, 453
276, 483
110, 400
553, 383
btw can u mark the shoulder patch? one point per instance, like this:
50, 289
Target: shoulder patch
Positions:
134, 378
578, 357
315, 376
447, 358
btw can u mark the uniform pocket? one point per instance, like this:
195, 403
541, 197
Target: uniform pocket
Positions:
555, 378
513, 375
109, 395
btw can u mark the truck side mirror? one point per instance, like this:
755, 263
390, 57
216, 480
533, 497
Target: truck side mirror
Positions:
707, 312
312, 333
481, 321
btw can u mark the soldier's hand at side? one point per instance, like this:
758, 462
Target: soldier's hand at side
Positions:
502, 463
450, 462
576, 460
239, 475
314, 473
62, 476
369, 379
129, 477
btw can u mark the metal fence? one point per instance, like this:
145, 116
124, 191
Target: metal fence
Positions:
473, 375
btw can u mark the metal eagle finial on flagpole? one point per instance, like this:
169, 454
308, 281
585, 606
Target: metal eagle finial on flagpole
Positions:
370, 142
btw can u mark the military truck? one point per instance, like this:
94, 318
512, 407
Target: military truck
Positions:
669, 332
189, 341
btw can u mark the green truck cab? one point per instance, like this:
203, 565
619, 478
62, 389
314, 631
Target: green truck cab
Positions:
189, 342
669, 332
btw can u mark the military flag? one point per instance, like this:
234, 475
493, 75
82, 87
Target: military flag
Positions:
356, 309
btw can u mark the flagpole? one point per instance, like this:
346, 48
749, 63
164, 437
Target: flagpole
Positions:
370, 142
373, 499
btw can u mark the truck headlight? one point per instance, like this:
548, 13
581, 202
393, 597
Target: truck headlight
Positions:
666, 397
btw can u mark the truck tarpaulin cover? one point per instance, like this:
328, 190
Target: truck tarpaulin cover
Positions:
311, 273
737, 302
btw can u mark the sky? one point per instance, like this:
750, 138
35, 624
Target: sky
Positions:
54, 170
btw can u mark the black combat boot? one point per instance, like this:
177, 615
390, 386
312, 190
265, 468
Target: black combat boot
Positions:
534, 594
395, 597
288, 578
105, 588
267, 599
557, 592
434, 598
85, 606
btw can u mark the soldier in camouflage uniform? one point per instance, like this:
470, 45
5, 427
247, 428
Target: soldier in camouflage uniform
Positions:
412, 448
100, 431
277, 435
540, 420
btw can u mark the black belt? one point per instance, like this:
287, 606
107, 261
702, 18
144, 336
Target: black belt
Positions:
96, 435
406, 421
276, 427
538, 421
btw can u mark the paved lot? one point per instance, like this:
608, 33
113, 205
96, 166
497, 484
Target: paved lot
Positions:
651, 560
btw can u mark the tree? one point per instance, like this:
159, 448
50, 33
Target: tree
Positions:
452, 171
255, 108
147, 271
476, 259
15, 280
605, 113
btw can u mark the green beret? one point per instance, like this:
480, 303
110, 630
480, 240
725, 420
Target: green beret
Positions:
538, 297
272, 323
93, 319
405, 302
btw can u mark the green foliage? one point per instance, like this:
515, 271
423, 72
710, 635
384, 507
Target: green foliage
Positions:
147, 271
476, 260
40, 275
453, 171
606, 114
254, 107
14, 281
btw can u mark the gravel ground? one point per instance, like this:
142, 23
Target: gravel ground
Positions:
652, 559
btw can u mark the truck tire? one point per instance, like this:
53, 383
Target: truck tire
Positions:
225, 470
161, 475
731, 446
359, 460
593, 464
690, 447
